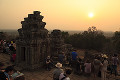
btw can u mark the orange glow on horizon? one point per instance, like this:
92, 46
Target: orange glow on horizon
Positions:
63, 14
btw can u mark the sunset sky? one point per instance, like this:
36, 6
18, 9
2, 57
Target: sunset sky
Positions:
63, 14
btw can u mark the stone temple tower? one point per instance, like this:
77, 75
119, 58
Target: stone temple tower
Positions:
33, 43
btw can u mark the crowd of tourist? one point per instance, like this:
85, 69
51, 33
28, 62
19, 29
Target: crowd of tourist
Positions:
8, 47
99, 66
9, 73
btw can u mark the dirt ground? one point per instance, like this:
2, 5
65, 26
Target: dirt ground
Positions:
42, 74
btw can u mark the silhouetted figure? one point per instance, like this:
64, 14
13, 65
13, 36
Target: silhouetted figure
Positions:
48, 63
6, 75
61, 57
78, 65
104, 69
74, 55
1, 67
115, 62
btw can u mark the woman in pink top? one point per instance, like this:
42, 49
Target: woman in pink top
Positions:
87, 67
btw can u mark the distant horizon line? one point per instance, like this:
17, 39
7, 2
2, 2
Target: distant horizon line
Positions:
59, 29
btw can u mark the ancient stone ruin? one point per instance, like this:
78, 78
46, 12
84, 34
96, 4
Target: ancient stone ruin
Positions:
56, 42
34, 44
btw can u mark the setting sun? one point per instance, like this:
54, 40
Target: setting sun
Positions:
90, 15
63, 14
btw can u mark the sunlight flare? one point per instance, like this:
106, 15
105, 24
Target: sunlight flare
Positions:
91, 15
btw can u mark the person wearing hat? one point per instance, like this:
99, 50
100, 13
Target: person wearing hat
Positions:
57, 71
104, 56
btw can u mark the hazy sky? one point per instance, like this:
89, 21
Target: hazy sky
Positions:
63, 14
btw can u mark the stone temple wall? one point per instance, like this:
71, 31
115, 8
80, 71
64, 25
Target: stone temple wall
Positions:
34, 43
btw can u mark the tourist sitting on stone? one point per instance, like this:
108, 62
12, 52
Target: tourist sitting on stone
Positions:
48, 63
7, 74
66, 75
87, 68
1, 67
18, 76
57, 71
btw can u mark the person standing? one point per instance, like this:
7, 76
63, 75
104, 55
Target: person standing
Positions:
78, 65
74, 55
104, 69
87, 68
12, 50
13, 57
115, 62
96, 66
61, 57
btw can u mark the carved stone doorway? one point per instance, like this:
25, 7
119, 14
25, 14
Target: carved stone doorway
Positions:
23, 53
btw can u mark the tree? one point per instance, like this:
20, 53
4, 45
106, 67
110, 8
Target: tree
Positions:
91, 39
116, 41
2, 35
64, 34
